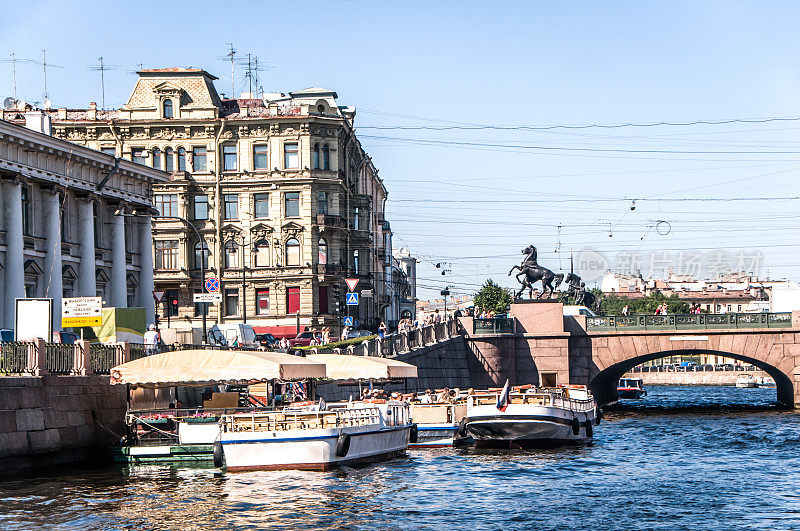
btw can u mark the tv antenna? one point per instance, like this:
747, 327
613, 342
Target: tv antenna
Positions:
102, 67
14, 60
230, 56
252, 68
45, 64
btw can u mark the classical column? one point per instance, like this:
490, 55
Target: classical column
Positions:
14, 259
146, 270
119, 286
54, 288
87, 281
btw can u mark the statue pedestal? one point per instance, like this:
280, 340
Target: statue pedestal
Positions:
539, 316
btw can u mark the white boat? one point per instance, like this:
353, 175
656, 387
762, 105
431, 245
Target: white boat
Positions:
353, 433
746, 381
437, 423
530, 417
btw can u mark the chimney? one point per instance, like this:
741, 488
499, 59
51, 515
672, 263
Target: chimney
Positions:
38, 121
91, 113
62, 113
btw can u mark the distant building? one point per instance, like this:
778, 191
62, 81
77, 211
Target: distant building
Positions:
60, 236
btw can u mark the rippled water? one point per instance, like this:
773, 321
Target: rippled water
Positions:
672, 461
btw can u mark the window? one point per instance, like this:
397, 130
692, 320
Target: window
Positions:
25, 195
293, 300
167, 204
323, 299
262, 301
260, 157
355, 261
315, 157
201, 207
549, 379
199, 158
229, 158
231, 302
181, 159
290, 156
355, 219
292, 204
231, 206
322, 203
261, 205
137, 155
166, 254
109, 151
326, 157
231, 251
739, 308
201, 254
323, 251
169, 162
292, 252
157, 158
261, 254
321, 108
167, 109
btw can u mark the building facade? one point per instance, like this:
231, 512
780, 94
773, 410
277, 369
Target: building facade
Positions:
59, 235
279, 188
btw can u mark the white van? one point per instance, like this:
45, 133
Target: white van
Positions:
578, 310
233, 335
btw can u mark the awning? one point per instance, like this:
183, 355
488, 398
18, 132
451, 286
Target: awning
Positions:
344, 367
289, 331
208, 367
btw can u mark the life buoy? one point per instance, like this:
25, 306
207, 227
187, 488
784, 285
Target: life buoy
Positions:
576, 426
589, 429
342, 444
462, 428
218, 455
413, 434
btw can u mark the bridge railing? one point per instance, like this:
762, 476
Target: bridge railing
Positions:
702, 321
493, 325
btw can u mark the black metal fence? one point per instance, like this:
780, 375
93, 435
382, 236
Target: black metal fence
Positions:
138, 350
13, 357
59, 357
103, 357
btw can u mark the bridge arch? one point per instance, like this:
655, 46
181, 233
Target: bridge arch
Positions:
615, 353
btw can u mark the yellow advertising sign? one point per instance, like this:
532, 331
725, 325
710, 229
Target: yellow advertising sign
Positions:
80, 321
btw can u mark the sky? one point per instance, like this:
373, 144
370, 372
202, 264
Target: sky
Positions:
501, 125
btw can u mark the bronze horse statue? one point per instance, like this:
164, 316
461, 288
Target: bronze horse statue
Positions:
532, 273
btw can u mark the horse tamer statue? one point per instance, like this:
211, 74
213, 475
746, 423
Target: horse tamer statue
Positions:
531, 272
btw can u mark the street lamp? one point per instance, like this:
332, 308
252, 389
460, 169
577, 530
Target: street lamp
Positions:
204, 251
243, 245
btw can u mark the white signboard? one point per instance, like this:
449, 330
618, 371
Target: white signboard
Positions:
33, 318
207, 297
81, 311
366, 293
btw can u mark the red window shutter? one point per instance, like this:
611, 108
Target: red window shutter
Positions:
323, 299
292, 300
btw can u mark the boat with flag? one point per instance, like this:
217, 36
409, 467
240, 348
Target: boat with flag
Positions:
529, 416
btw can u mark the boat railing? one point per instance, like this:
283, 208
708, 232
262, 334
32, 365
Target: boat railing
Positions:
286, 420
189, 414
540, 399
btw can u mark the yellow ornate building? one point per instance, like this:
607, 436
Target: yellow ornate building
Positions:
279, 187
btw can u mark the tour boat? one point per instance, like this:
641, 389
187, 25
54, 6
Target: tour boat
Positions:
437, 423
631, 388
529, 417
746, 381
339, 434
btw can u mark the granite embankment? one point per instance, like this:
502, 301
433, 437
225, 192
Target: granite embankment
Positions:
697, 378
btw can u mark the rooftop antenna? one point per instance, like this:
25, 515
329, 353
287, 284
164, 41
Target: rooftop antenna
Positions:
45, 64
230, 56
14, 60
102, 69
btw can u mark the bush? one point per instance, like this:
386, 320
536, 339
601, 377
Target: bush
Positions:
493, 298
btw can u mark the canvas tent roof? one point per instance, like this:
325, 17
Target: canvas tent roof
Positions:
343, 367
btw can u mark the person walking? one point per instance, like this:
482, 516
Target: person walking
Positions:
151, 340
625, 310
382, 330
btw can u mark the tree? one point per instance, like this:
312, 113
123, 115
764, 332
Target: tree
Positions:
613, 305
493, 298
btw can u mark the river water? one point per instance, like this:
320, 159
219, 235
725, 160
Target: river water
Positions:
683, 458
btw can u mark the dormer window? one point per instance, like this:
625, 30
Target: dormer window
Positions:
321, 108
168, 109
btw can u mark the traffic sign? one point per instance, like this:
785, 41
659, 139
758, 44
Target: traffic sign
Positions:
158, 295
348, 321
81, 311
207, 297
351, 283
212, 284
366, 293
352, 299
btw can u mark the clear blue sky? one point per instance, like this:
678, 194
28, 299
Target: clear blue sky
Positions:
425, 64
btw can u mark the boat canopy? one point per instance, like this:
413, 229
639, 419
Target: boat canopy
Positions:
209, 367
344, 367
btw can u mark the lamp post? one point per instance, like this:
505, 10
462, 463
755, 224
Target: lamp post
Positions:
204, 257
243, 245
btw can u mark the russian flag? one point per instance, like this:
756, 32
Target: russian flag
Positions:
502, 400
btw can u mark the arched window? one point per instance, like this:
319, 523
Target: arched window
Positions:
201, 254
181, 159
169, 162
167, 109
292, 252
323, 251
262, 254
231, 251
326, 157
315, 157
156, 158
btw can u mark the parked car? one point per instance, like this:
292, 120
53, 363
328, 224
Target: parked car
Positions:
303, 339
267, 340
67, 338
233, 335
6, 335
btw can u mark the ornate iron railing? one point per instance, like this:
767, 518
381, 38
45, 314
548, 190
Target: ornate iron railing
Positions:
103, 357
700, 321
14, 357
59, 358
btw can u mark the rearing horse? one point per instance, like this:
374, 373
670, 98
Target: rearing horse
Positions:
533, 273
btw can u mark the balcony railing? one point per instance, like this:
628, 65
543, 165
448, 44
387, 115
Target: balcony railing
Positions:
702, 321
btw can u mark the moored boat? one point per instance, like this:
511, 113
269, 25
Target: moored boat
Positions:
437, 423
631, 388
746, 381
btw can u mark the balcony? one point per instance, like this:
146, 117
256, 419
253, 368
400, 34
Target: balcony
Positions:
363, 201
331, 269
326, 221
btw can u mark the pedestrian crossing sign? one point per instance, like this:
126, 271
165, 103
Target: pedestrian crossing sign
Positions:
348, 321
352, 299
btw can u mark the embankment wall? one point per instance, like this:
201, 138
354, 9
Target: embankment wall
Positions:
697, 378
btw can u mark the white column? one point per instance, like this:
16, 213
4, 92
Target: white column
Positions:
54, 287
119, 287
146, 275
14, 260
87, 281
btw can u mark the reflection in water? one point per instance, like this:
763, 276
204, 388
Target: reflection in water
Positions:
660, 463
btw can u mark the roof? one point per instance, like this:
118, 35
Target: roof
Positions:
175, 70
343, 367
208, 367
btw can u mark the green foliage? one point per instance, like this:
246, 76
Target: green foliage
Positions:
493, 298
613, 305
340, 344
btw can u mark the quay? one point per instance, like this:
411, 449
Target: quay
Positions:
697, 378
